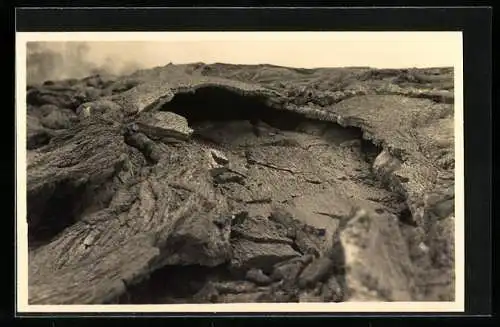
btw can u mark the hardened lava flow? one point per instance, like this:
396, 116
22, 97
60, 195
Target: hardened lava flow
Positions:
225, 183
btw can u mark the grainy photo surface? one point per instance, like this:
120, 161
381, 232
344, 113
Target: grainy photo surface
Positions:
314, 169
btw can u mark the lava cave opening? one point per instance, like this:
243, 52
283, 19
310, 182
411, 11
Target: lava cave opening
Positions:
218, 104
47, 219
172, 284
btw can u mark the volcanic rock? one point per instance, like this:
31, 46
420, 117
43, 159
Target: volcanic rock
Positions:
58, 119
289, 271
332, 290
219, 157
315, 272
260, 229
377, 264
258, 277
234, 287
166, 124
254, 297
133, 186
248, 254
37, 135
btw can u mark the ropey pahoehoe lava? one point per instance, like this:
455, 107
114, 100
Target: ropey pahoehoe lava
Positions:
231, 183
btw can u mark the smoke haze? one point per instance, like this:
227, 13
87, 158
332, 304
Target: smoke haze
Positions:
61, 60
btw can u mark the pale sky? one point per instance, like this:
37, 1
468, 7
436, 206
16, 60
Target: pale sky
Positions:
296, 49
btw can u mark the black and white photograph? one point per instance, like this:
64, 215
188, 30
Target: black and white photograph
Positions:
240, 171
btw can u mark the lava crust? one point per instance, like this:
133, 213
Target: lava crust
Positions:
230, 183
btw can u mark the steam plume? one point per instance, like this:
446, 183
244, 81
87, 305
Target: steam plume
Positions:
61, 60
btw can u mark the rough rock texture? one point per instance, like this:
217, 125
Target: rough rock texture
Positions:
165, 124
316, 272
258, 277
377, 261
247, 254
239, 183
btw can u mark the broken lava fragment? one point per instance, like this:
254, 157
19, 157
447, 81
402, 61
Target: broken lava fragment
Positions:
248, 254
258, 277
377, 261
219, 157
100, 107
317, 271
290, 270
166, 124
332, 291
260, 229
